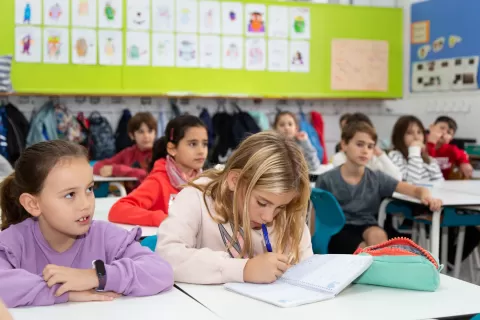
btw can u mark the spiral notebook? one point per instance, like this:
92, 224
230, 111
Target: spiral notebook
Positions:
321, 277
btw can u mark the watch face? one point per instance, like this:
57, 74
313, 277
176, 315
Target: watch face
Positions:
100, 267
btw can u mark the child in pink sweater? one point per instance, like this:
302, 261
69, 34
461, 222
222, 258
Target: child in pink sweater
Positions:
216, 228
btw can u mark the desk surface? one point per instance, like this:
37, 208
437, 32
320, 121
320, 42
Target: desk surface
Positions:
454, 297
102, 207
113, 179
449, 197
169, 305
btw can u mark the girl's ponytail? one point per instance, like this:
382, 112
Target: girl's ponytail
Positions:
159, 151
12, 211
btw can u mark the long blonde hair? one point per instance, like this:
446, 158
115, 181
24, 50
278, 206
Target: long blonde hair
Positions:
269, 162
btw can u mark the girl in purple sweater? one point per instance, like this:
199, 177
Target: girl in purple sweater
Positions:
50, 249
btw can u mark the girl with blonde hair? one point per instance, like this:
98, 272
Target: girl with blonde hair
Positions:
244, 223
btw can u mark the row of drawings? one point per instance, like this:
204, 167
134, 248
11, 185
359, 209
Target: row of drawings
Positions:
105, 47
187, 16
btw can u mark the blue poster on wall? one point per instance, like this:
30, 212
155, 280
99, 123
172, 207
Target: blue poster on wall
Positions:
445, 45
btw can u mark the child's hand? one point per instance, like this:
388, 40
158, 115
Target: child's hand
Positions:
91, 295
377, 151
432, 203
467, 170
70, 278
434, 135
106, 171
301, 136
265, 268
417, 143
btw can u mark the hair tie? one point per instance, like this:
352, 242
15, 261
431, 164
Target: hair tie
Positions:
171, 134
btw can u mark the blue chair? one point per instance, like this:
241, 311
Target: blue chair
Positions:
150, 242
329, 219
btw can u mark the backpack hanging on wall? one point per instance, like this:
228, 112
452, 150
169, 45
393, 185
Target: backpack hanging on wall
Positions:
243, 125
43, 126
122, 139
224, 143
68, 127
17, 131
103, 146
312, 134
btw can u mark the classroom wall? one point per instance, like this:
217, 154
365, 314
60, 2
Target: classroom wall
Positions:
462, 106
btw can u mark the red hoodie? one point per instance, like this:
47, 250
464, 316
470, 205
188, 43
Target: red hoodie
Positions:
148, 204
130, 162
447, 156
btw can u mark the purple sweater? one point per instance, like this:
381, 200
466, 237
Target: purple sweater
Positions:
132, 270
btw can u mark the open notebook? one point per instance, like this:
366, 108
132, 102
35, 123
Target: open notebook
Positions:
318, 278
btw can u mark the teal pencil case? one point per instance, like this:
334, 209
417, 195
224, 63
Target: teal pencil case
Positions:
401, 263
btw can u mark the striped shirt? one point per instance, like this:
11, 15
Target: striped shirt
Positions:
414, 169
5, 67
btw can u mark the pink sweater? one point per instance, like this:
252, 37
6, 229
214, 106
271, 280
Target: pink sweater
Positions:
190, 240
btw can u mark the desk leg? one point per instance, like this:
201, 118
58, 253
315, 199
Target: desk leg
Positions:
120, 187
459, 252
444, 255
382, 212
435, 234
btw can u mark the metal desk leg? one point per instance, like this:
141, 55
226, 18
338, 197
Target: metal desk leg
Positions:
120, 187
459, 252
435, 234
444, 255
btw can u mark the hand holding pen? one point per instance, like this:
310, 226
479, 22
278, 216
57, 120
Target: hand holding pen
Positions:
267, 267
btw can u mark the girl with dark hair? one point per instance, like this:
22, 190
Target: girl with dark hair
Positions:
178, 157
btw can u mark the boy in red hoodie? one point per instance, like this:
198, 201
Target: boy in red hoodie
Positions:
132, 161
447, 155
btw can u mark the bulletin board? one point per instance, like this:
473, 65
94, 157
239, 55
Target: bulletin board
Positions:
444, 49
328, 23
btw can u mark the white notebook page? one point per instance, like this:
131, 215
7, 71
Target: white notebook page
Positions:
279, 293
328, 272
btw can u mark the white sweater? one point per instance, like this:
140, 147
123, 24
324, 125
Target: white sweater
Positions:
381, 163
414, 169
191, 241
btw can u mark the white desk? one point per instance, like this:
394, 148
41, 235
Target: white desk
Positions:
102, 207
169, 305
453, 297
115, 181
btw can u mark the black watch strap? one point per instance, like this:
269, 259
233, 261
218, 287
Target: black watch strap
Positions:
101, 272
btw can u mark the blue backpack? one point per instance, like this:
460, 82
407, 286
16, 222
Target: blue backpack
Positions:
312, 135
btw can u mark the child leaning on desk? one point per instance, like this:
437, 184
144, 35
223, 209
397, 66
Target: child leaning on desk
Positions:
245, 222
49, 240
359, 191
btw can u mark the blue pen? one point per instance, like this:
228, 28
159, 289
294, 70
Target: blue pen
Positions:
265, 237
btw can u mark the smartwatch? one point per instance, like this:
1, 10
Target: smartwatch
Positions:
99, 267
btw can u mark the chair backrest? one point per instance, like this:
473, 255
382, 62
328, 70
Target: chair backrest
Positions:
150, 242
329, 219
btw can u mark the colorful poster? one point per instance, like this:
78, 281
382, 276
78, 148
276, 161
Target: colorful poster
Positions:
278, 55
84, 46
163, 15
56, 13
232, 52
84, 13
210, 52
255, 19
138, 49
300, 23
255, 54
110, 14
187, 51
278, 22
56, 44
110, 47
359, 65
138, 14
163, 50
186, 11
28, 44
209, 17
232, 18
28, 12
